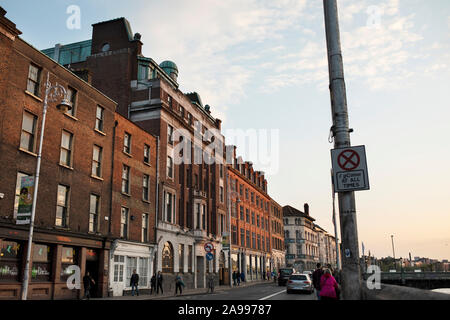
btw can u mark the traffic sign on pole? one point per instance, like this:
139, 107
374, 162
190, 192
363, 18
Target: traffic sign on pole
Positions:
350, 169
209, 247
209, 256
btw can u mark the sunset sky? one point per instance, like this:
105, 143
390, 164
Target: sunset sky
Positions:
263, 65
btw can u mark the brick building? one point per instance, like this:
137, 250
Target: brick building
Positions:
190, 194
133, 206
277, 235
74, 199
250, 220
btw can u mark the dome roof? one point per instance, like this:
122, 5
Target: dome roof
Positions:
169, 67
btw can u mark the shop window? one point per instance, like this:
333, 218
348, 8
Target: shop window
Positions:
131, 266
143, 272
42, 263
119, 264
69, 257
10, 260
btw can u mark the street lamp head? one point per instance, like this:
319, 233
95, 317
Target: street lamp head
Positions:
64, 106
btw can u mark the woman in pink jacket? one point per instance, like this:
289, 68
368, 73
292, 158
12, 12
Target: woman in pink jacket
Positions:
328, 286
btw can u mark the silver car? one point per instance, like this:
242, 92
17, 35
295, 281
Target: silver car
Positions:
299, 282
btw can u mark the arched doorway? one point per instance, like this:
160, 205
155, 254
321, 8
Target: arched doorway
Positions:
167, 258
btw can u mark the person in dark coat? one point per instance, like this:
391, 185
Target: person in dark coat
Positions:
153, 284
238, 277
88, 283
316, 277
234, 278
159, 282
134, 282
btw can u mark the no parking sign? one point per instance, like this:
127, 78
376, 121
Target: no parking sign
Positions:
350, 169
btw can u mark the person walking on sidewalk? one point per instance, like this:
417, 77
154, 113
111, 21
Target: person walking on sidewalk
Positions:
179, 284
243, 276
159, 282
238, 277
210, 283
328, 286
234, 278
268, 275
153, 284
134, 282
316, 277
88, 283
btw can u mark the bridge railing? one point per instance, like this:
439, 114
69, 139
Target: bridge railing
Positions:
392, 292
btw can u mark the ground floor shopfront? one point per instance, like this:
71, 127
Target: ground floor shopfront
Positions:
125, 257
58, 264
254, 264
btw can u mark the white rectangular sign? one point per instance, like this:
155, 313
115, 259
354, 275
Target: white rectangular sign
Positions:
350, 169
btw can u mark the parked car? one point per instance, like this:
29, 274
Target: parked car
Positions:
284, 274
299, 282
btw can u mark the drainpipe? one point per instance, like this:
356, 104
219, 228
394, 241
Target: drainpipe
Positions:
112, 177
157, 204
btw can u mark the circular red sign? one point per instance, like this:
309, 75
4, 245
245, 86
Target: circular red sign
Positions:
209, 247
348, 160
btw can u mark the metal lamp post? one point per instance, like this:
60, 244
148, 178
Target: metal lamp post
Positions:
52, 92
393, 251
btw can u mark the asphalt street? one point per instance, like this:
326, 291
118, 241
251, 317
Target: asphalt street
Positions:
264, 291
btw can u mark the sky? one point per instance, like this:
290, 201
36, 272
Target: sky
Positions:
262, 65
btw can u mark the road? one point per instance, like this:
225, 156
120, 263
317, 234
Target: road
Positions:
265, 291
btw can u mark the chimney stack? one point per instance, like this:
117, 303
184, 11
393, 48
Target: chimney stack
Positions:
306, 206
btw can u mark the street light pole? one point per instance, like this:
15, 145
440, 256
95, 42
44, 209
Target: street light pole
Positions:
51, 92
393, 251
350, 274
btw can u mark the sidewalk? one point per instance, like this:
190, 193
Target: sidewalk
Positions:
187, 292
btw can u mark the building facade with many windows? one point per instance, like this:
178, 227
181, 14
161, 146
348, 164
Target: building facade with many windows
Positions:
74, 197
277, 235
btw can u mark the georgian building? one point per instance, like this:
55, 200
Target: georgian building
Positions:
72, 220
191, 193
277, 235
300, 239
250, 220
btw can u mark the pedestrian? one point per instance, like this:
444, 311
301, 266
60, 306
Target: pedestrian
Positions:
274, 276
268, 275
134, 282
238, 277
328, 286
234, 278
316, 277
243, 276
210, 283
159, 282
88, 283
179, 284
153, 284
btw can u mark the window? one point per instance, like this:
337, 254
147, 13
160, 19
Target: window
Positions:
242, 237
190, 258
169, 210
246, 193
99, 118
119, 264
145, 187
124, 222
241, 213
221, 194
93, 213
253, 240
259, 242
27, 137
146, 154
181, 258
97, 161
221, 170
10, 260
169, 167
127, 143
247, 216
167, 258
234, 235
69, 257
72, 97
42, 263
170, 102
144, 227
247, 239
131, 266
169, 134
126, 179
189, 116
66, 149
143, 272
34, 75
257, 221
253, 218
253, 197
62, 206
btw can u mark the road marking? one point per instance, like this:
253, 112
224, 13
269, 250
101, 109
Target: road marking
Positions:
272, 295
